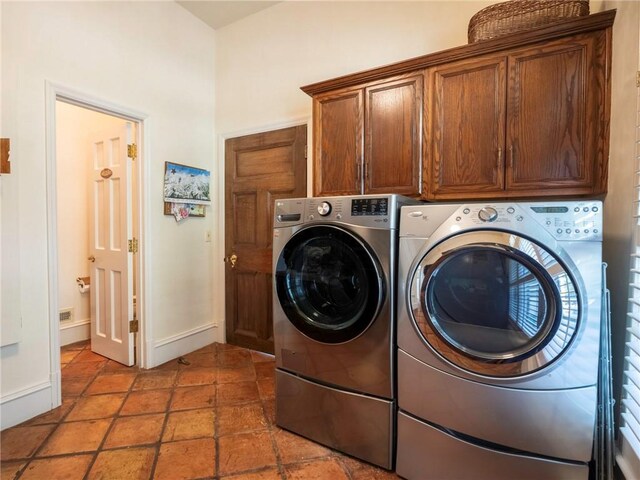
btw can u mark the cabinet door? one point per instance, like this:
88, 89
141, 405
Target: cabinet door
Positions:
338, 139
557, 124
393, 139
465, 113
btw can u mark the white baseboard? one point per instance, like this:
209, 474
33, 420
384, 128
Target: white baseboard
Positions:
24, 404
75, 332
183, 343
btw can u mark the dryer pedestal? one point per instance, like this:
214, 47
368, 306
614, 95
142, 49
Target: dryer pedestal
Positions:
428, 452
352, 423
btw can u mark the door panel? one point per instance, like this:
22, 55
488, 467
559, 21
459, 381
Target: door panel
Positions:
111, 293
258, 170
393, 137
339, 131
553, 116
466, 130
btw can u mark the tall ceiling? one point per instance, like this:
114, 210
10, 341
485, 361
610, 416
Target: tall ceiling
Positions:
217, 14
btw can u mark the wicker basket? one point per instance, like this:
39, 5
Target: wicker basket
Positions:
516, 15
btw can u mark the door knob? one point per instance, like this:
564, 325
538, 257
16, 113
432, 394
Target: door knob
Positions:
91, 258
232, 260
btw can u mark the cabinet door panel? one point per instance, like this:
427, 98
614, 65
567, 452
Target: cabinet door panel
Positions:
465, 128
339, 137
556, 112
393, 124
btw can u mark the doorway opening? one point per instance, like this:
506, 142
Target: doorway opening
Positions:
96, 224
97, 218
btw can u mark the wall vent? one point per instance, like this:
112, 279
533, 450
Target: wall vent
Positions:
66, 315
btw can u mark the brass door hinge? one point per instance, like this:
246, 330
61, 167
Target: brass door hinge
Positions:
306, 152
132, 151
133, 245
133, 326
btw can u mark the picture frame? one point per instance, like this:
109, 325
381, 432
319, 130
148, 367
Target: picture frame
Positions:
186, 184
194, 210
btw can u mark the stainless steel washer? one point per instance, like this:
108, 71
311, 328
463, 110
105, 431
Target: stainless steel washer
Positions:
334, 305
498, 339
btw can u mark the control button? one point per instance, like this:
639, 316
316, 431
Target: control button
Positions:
548, 222
568, 230
511, 210
338, 216
324, 209
585, 209
458, 219
466, 211
586, 230
594, 209
487, 214
577, 209
415, 214
559, 230
519, 218
595, 230
577, 230
311, 217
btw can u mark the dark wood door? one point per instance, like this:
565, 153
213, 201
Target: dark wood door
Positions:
556, 113
259, 169
465, 129
393, 137
338, 120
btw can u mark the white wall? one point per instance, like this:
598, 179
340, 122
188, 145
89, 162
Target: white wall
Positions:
155, 58
75, 127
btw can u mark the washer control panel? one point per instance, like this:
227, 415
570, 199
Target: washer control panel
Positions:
372, 211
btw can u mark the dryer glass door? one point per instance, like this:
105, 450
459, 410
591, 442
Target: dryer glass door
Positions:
329, 285
494, 303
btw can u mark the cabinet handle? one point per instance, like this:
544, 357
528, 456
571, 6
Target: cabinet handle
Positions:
358, 173
366, 171
510, 156
499, 158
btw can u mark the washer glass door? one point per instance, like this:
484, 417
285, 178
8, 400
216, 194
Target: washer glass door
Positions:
494, 303
328, 283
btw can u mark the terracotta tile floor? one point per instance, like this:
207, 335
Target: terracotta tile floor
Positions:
210, 419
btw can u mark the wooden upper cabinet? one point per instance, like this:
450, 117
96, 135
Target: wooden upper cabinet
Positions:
527, 122
368, 139
393, 137
338, 119
524, 115
556, 116
465, 112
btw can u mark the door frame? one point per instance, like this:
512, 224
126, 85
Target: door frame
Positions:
219, 249
55, 92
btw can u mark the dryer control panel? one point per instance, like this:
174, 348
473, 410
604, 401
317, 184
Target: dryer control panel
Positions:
572, 220
581, 220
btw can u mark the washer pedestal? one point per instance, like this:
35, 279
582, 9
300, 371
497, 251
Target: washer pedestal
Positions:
352, 423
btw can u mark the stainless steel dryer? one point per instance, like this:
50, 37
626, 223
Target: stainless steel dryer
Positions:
334, 310
498, 340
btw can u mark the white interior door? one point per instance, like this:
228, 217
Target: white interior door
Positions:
110, 230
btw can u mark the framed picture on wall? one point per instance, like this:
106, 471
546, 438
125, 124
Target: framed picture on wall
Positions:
184, 184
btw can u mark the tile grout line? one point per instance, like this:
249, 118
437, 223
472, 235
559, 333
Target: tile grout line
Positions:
111, 425
167, 412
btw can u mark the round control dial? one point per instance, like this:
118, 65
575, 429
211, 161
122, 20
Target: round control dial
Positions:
324, 209
487, 214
